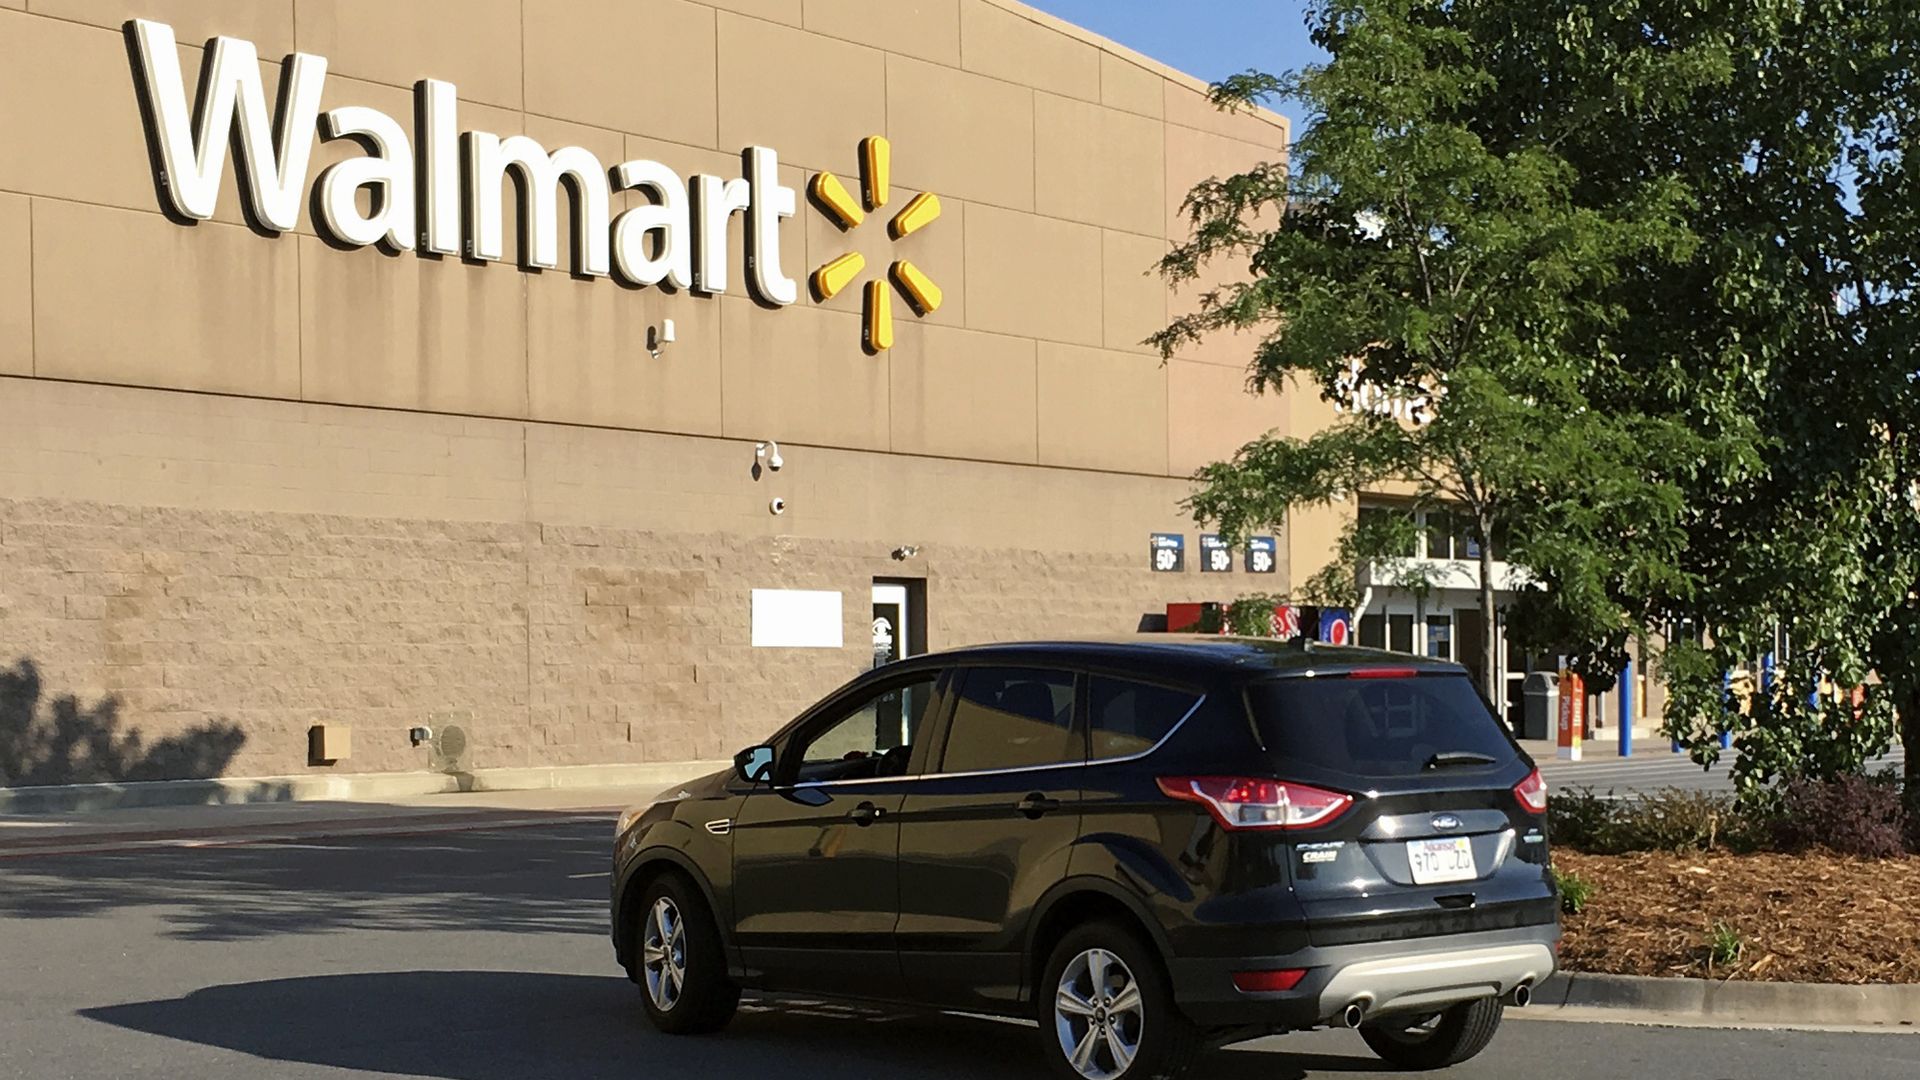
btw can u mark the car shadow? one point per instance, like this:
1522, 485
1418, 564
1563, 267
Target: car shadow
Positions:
504, 1025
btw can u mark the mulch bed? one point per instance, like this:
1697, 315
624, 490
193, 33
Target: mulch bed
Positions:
1800, 918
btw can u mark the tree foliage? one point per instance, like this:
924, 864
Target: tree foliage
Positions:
1658, 261
1411, 248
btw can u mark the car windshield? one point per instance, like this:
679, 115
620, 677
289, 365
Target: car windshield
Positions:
1377, 728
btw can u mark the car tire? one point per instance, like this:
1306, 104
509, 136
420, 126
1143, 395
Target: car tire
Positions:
1151, 1040
1450, 1038
678, 960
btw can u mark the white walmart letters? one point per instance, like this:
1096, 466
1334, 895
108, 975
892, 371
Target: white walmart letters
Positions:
678, 237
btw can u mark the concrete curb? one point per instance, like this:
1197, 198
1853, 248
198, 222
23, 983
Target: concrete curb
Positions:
348, 787
1712, 1001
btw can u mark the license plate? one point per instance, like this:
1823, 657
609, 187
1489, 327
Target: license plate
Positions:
1443, 860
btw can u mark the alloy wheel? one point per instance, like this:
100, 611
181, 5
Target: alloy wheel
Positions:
1098, 1015
663, 954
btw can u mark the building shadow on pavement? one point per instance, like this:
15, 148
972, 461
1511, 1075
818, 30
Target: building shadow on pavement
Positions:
498, 1025
546, 880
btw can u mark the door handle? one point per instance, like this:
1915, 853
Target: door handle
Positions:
865, 814
1037, 804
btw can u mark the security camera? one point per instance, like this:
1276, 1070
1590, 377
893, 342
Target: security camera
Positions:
769, 452
659, 337
778, 506
774, 460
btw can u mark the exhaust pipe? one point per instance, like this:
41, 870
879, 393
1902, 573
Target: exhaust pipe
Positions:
1520, 996
1354, 1014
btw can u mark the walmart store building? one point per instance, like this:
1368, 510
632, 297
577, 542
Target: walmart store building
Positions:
452, 399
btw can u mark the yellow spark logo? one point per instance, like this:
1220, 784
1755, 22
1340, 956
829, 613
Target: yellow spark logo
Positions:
876, 162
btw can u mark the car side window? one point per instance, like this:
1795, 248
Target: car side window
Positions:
1128, 717
872, 737
1006, 718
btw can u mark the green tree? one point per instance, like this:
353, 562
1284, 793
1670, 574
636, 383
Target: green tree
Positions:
1410, 248
1784, 334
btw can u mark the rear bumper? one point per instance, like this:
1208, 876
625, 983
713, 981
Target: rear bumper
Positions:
1382, 977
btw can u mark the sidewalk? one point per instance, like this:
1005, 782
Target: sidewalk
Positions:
200, 826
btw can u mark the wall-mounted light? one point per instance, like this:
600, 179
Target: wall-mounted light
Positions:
905, 552
659, 337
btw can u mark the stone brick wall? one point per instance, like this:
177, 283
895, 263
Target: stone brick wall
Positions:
544, 644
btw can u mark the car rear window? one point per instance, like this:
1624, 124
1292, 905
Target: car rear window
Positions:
1378, 727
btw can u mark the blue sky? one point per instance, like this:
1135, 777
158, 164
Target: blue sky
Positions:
1205, 38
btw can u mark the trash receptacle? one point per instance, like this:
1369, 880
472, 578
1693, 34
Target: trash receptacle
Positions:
1542, 696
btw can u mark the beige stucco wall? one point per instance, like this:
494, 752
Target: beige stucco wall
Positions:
263, 481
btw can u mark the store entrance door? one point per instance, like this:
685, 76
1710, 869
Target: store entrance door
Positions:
899, 619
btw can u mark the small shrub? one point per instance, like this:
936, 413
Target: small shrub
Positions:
1669, 820
1582, 821
1575, 891
1678, 820
1723, 945
1852, 815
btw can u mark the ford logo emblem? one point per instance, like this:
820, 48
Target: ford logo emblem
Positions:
1446, 822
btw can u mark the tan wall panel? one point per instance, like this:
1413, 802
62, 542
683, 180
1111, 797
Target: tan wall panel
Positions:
1135, 295
929, 29
67, 97
603, 63
1193, 156
588, 360
786, 11
1189, 107
968, 395
130, 297
1033, 276
474, 44
266, 23
939, 250
16, 286
811, 97
1211, 415
1313, 538
1307, 411
1127, 85
411, 333
960, 134
16, 5
1102, 410
1007, 45
801, 376
129, 447
1099, 165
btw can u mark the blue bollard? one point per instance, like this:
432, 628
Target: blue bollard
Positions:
1626, 710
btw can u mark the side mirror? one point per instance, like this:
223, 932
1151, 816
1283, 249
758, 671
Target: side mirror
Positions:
755, 764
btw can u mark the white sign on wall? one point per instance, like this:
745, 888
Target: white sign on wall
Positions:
796, 619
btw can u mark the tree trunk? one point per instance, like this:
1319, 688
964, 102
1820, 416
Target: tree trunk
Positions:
1490, 630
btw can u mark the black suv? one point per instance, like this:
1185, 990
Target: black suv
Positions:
1149, 846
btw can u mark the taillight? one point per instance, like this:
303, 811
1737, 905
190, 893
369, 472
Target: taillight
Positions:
1383, 673
1532, 792
1268, 982
1240, 802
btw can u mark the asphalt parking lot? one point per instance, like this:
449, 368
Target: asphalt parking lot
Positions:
482, 955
